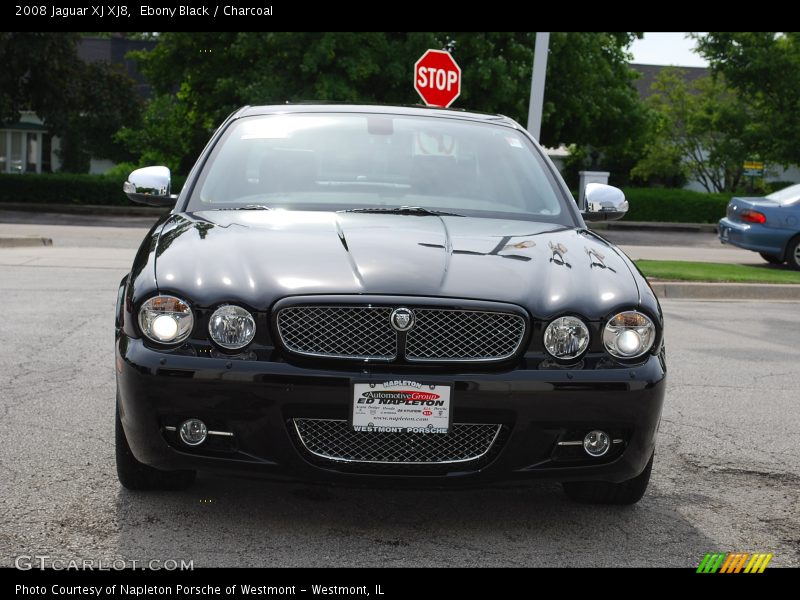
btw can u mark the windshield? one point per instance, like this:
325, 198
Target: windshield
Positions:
379, 161
788, 195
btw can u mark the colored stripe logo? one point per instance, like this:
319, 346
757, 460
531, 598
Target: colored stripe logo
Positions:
734, 562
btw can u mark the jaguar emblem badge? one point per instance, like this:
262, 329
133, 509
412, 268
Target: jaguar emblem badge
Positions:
402, 319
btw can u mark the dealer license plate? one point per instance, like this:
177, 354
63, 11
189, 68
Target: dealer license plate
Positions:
401, 407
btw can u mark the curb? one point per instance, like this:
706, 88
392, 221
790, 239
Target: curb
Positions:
655, 226
22, 242
86, 209
695, 290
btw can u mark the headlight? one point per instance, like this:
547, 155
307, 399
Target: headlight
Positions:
166, 319
566, 337
629, 334
232, 327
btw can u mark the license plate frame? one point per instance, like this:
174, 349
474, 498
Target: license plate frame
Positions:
398, 406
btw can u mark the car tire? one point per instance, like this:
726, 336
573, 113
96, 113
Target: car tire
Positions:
773, 260
793, 253
604, 492
135, 475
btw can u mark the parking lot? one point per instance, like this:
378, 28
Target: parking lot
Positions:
726, 474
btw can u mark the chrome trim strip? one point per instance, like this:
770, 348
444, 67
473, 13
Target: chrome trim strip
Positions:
221, 433
390, 462
576, 443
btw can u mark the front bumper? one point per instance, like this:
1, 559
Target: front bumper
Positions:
257, 401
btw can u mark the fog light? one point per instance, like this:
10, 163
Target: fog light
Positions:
193, 432
596, 443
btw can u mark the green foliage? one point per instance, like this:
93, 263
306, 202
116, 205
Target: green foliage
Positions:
37, 72
764, 68
68, 188
62, 188
166, 136
591, 103
589, 94
122, 170
200, 78
104, 101
702, 130
774, 186
83, 104
669, 205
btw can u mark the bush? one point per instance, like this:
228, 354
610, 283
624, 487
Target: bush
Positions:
68, 188
774, 186
675, 205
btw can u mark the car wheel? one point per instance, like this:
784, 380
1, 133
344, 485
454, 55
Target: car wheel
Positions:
773, 260
603, 492
793, 253
138, 476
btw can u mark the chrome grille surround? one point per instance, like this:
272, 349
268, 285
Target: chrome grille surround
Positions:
470, 335
439, 334
334, 440
356, 332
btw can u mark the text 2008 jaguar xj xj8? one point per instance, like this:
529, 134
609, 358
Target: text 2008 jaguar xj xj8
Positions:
373, 294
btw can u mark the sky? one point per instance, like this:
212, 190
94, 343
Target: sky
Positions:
666, 48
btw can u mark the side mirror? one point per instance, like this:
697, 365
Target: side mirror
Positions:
150, 186
604, 203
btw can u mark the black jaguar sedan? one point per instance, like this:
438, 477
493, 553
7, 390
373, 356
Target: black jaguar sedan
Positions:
373, 295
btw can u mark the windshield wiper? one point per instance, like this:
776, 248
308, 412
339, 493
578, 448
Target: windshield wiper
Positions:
402, 210
249, 207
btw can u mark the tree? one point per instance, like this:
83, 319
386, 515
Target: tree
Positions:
37, 74
589, 95
764, 69
102, 101
83, 104
166, 136
589, 98
702, 130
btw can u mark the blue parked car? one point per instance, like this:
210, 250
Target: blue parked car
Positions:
768, 225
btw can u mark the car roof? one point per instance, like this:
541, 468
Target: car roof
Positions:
421, 111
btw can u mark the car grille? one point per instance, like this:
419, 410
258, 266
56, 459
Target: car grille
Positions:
335, 440
463, 335
438, 334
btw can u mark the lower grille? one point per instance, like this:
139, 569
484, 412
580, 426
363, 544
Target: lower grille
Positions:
335, 440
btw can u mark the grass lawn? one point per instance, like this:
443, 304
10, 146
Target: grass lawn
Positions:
698, 271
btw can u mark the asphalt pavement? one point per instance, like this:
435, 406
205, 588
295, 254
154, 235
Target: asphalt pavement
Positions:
726, 475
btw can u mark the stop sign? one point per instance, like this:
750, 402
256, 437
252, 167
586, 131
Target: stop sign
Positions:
437, 78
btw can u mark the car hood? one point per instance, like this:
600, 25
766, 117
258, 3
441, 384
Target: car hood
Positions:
257, 257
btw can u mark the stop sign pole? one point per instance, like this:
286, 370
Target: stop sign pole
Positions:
437, 78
